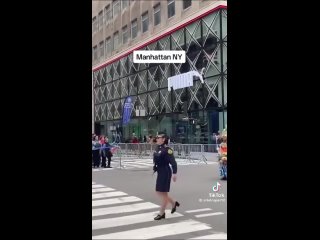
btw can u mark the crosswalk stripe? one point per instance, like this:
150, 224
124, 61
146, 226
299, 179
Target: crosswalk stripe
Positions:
105, 189
157, 231
127, 220
141, 164
198, 210
148, 163
134, 166
208, 214
101, 169
123, 209
108, 194
212, 236
188, 163
110, 201
131, 167
136, 162
97, 186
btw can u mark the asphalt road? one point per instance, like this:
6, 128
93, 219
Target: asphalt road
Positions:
203, 211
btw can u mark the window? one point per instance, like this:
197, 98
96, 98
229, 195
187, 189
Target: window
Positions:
186, 4
101, 46
134, 29
95, 53
157, 14
94, 25
171, 8
116, 7
105, 16
215, 58
125, 3
115, 40
100, 18
125, 34
145, 22
108, 46
108, 11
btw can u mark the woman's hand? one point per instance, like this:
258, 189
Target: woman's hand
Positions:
174, 177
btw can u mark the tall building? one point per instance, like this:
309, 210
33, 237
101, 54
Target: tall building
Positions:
188, 115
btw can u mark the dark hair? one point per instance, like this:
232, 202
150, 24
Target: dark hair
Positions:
166, 139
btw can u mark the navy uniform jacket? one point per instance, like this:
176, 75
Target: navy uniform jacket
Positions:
106, 152
162, 157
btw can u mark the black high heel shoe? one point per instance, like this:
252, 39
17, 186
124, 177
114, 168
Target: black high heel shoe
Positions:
158, 217
175, 206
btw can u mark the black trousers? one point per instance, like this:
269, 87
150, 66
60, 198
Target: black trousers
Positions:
109, 160
103, 162
104, 159
96, 158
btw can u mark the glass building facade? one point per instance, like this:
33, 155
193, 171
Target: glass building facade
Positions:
188, 115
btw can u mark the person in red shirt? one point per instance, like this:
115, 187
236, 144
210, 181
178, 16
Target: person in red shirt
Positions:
134, 138
223, 156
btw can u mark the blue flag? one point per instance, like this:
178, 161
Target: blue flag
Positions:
127, 109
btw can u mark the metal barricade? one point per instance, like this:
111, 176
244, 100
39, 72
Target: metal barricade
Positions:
195, 153
123, 148
210, 151
117, 154
191, 153
145, 150
132, 149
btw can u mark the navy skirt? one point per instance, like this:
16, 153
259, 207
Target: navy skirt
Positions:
163, 179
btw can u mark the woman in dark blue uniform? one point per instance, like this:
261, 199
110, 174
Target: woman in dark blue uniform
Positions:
96, 152
163, 156
105, 152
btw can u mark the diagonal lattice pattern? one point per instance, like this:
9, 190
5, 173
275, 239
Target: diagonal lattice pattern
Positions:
205, 43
